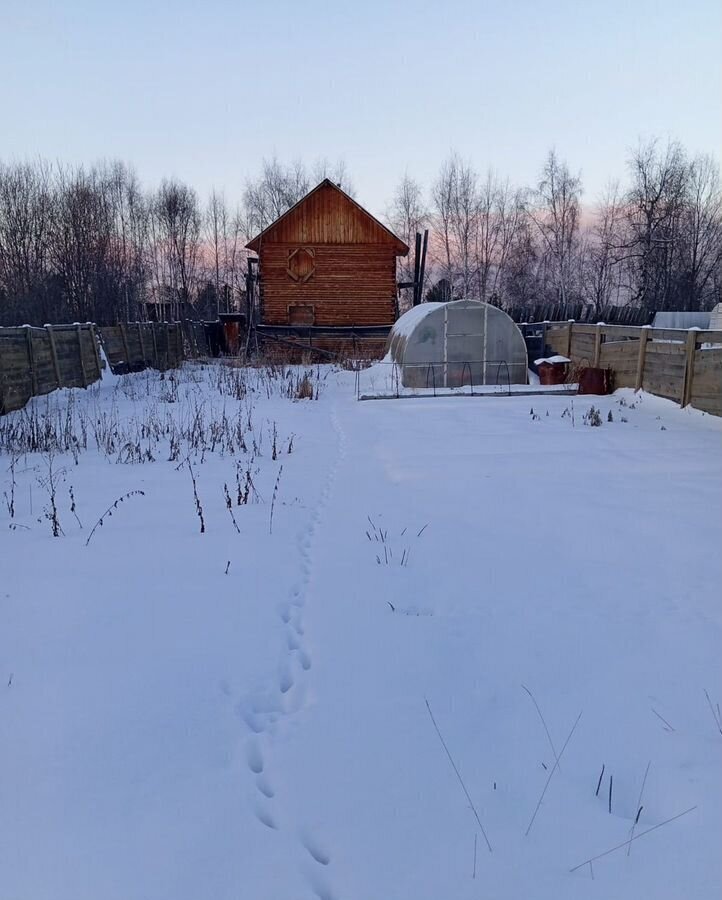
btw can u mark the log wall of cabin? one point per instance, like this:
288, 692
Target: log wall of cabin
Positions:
350, 284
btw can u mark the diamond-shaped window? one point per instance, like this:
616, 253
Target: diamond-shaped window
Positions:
301, 264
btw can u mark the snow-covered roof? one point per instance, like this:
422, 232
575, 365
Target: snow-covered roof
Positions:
405, 324
551, 360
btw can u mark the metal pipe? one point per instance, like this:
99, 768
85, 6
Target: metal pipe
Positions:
422, 268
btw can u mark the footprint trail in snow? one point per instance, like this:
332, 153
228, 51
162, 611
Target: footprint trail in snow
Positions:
263, 711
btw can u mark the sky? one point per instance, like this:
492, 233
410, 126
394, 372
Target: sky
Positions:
205, 90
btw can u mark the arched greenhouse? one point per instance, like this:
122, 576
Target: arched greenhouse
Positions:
458, 343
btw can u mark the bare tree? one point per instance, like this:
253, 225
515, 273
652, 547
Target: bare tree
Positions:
25, 199
555, 212
521, 272
407, 215
215, 233
487, 233
443, 216
81, 241
511, 220
336, 172
602, 270
455, 203
129, 224
279, 187
500, 211
237, 257
176, 225
224, 235
653, 205
700, 239
465, 207
267, 197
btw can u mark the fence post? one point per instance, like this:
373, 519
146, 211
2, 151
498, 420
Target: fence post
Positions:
31, 359
2, 381
570, 326
643, 337
54, 354
96, 352
690, 349
179, 343
597, 345
142, 343
84, 377
125, 344
155, 346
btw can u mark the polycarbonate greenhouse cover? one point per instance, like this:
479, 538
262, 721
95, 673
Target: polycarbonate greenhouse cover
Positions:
456, 343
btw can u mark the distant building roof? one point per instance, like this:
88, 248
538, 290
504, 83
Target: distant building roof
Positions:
681, 319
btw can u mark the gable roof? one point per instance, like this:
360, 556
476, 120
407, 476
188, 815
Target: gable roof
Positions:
327, 215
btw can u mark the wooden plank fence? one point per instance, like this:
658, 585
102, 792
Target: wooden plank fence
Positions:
579, 312
684, 366
35, 361
134, 346
196, 338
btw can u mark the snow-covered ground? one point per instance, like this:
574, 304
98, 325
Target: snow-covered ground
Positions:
251, 710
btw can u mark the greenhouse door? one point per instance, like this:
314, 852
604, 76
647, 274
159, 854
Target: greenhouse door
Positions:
464, 346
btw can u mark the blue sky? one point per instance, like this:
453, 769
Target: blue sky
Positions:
205, 90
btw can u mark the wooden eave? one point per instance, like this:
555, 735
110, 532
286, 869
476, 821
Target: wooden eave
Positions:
400, 248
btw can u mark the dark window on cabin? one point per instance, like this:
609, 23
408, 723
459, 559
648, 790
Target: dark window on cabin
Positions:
301, 314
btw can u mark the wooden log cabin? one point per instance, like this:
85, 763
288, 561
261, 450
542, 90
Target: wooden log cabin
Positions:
327, 272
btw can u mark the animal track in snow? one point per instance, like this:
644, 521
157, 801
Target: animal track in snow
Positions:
315, 850
286, 695
286, 680
264, 786
254, 757
259, 711
292, 641
252, 719
319, 886
265, 817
